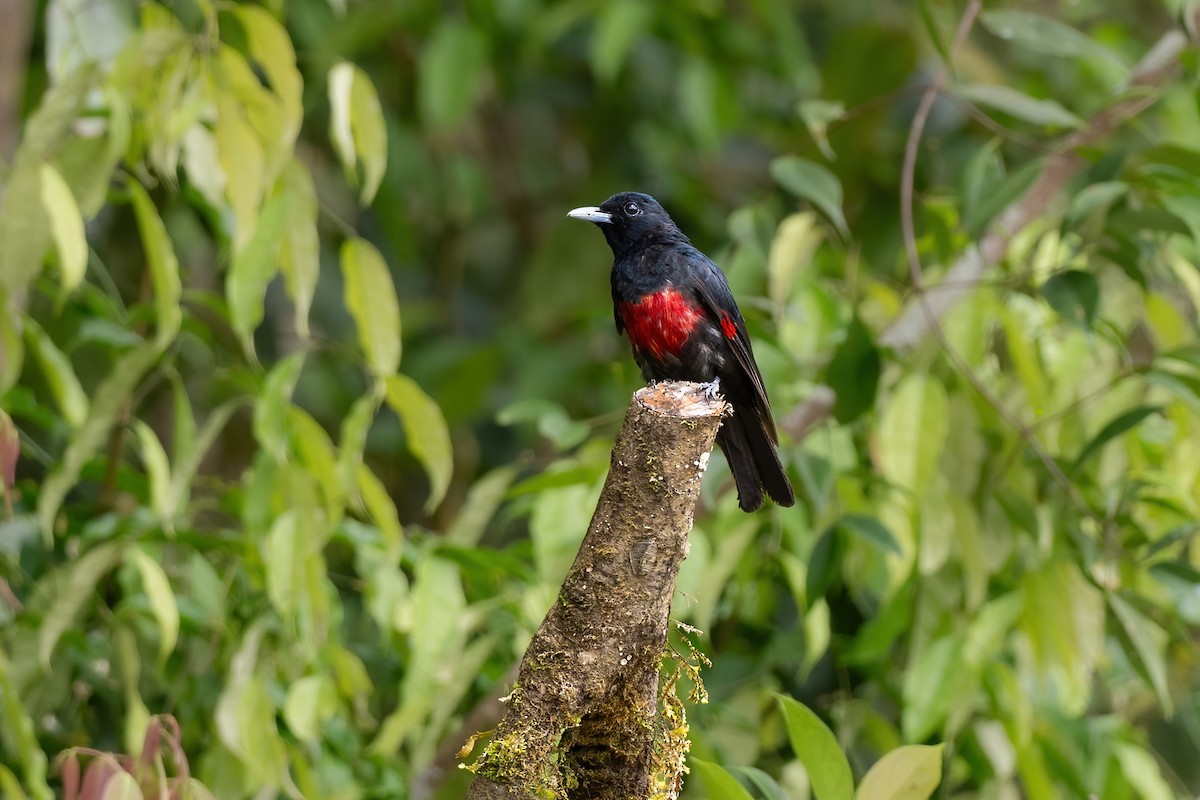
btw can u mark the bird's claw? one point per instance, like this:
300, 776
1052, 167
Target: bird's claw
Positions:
712, 389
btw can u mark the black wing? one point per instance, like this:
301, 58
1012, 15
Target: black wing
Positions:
712, 290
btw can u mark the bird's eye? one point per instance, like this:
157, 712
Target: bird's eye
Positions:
632, 209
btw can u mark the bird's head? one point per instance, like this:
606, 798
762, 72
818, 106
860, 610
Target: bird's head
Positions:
627, 218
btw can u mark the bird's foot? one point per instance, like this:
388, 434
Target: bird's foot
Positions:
712, 389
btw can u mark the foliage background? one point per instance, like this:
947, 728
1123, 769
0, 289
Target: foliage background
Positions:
317, 524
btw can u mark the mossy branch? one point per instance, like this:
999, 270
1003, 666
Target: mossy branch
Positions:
582, 716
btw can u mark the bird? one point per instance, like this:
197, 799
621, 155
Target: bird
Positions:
676, 307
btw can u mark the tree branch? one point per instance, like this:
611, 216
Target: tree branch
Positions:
582, 716
930, 306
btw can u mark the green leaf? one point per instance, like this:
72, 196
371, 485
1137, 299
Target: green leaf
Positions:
310, 701
698, 88
371, 300
871, 531
1143, 772
480, 506
1123, 423
618, 27
284, 552
824, 564
164, 267
188, 462
853, 373
353, 439
912, 432
764, 783
240, 153
60, 376
357, 127
158, 470
25, 234
930, 686
10, 453
812, 182
21, 739
719, 782
315, 449
382, 510
107, 401
911, 772
816, 116
271, 47
1074, 295
271, 407
816, 746
66, 226
253, 267
75, 585
426, 432
1044, 35
1020, 105
12, 351
202, 162
451, 75
162, 600
1146, 645
300, 250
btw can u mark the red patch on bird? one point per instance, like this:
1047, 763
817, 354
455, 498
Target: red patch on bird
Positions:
727, 326
660, 323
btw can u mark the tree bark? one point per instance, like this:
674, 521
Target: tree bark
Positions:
582, 716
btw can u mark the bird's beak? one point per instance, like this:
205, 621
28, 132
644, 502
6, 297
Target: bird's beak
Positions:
590, 214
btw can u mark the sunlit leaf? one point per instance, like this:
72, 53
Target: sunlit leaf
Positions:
164, 267
1147, 647
271, 47
59, 375
382, 509
12, 350
1020, 105
25, 234
357, 127
161, 597
814, 183
911, 772
371, 300
75, 584
66, 226
10, 453
930, 686
353, 439
426, 433
313, 445
480, 506
310, 701
253, 268
1143, 772
912, 432
300, 250
451, 75
719, 782
816, 746
158, 470
242, 160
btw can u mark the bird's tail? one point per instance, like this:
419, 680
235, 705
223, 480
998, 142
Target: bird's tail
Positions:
750, 451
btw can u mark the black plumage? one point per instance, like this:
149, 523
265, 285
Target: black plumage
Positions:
676, 307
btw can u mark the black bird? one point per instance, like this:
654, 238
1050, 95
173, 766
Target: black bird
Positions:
683, 323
